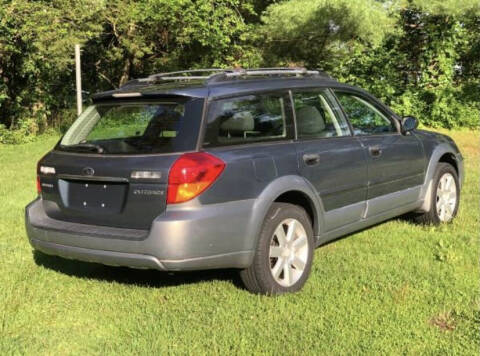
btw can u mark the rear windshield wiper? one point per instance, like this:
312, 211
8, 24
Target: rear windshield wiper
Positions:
84, 147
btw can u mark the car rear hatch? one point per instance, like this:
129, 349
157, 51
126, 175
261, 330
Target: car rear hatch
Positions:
94, 190
117, 174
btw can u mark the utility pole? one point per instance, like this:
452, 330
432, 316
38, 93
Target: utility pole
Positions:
78, 76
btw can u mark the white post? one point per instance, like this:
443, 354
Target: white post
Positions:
78, 75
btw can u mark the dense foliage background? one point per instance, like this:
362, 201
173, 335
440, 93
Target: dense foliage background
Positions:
422, 57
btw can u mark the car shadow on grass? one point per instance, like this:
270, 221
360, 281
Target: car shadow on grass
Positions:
154, 278
130, 276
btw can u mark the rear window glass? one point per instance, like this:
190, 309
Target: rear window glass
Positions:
134, 128
253, 118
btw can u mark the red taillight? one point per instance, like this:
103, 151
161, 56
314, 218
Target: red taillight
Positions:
191, 174
39, 186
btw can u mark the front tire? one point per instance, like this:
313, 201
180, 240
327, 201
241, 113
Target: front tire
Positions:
284, 254
445, 197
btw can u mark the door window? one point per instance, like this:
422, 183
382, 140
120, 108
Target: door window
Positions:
316, 117
252, 118
365, 118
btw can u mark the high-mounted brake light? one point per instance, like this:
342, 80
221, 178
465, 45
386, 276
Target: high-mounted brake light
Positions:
126, 95
192, 174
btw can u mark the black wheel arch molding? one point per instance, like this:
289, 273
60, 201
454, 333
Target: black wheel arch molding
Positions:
443, 152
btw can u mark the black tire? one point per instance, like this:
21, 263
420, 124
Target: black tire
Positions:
431, 217
258, 278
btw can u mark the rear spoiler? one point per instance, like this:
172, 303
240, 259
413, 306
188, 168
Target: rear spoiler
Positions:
126, 96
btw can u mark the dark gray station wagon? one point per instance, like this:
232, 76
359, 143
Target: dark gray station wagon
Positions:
247, 169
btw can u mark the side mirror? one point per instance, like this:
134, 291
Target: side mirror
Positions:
409, 123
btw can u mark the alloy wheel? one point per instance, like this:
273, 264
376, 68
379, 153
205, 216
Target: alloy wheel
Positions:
446, 197
288, 252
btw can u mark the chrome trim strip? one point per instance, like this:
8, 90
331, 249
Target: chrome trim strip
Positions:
93, 178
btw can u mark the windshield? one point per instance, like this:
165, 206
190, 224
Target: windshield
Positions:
131, 128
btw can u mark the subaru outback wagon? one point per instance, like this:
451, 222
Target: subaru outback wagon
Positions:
246, 169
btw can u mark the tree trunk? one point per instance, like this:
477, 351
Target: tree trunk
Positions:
128, 60
125, 71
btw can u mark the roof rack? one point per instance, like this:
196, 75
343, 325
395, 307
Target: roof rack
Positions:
184, 74
217, 75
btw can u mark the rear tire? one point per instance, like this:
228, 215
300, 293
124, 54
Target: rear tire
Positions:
445, 197
284, 253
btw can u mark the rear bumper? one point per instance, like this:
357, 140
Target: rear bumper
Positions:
111, 258
183, 238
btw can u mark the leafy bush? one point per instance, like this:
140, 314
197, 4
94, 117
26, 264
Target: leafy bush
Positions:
443, 109
26, 132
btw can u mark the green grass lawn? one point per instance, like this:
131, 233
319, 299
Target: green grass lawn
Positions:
394, 288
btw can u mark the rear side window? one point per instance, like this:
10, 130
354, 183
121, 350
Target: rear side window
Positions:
136, 128
317, 117
252, 118
365, 118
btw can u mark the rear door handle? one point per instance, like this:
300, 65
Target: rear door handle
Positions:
311, 159
375, 151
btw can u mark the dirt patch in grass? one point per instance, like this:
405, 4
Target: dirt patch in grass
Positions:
444, 321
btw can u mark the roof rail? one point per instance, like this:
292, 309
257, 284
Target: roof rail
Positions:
177, 75
298, 72
217, 75
182, 74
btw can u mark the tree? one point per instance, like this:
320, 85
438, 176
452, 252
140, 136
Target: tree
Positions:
143, 37
36, 55
321, 33
419, 56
